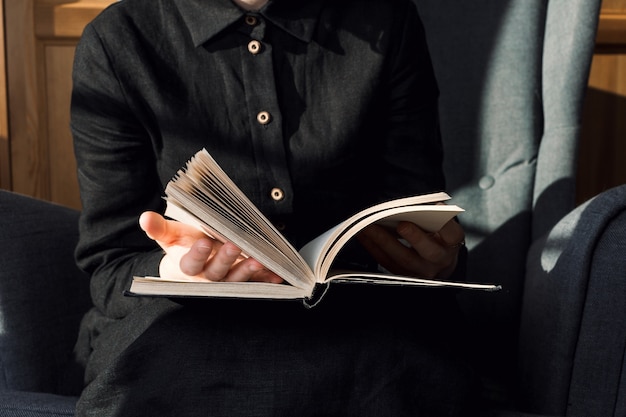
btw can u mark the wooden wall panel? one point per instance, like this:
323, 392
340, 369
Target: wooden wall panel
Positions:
38, 158
5, 149
61, 162
602, 160
58, 19
602, 156
26, 153
610, 6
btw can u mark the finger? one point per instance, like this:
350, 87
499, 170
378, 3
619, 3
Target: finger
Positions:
251, 270
244, 271
426, 257
377, 242
224, 258
424, 243
265, 275
194, 261
393, 255
441, 255
452, 234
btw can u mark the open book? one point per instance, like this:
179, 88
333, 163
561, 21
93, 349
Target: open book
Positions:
202, 195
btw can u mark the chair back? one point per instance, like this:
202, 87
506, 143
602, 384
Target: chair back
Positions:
512, 76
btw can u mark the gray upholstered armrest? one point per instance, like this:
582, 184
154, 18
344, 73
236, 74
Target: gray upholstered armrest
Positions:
573, 330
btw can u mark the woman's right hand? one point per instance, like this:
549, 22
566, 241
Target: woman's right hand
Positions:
191, 255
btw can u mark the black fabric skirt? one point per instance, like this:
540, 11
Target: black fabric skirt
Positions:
362, 351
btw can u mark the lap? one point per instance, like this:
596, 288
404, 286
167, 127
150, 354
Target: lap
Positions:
259, 358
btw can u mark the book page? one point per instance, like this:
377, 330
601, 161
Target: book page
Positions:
172, 288
314, 251
384, 279
321, 252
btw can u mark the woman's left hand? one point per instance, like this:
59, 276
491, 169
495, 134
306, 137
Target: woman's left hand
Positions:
425, 255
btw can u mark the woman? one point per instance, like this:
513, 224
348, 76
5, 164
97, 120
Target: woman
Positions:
333, 104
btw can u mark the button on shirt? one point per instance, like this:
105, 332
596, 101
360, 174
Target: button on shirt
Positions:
301, 101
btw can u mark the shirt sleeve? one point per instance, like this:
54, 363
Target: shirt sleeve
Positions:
413, 149
117, 177
413, 153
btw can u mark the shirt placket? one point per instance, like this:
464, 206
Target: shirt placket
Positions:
265, 118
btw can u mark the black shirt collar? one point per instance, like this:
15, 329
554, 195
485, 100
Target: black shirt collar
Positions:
207, 18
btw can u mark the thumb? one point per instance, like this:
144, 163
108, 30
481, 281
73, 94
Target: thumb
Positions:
153, 224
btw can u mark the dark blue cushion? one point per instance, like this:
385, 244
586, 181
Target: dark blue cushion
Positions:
43, 296
29, 404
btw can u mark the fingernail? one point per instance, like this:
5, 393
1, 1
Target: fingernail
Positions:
232, 251
255, 267
205, 248
404, 228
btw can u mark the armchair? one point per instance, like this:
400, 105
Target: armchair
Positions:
512, 77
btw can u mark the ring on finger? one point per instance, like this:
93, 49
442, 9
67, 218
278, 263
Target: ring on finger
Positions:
458, 245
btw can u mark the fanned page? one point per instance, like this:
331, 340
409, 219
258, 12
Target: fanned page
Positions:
203, 195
